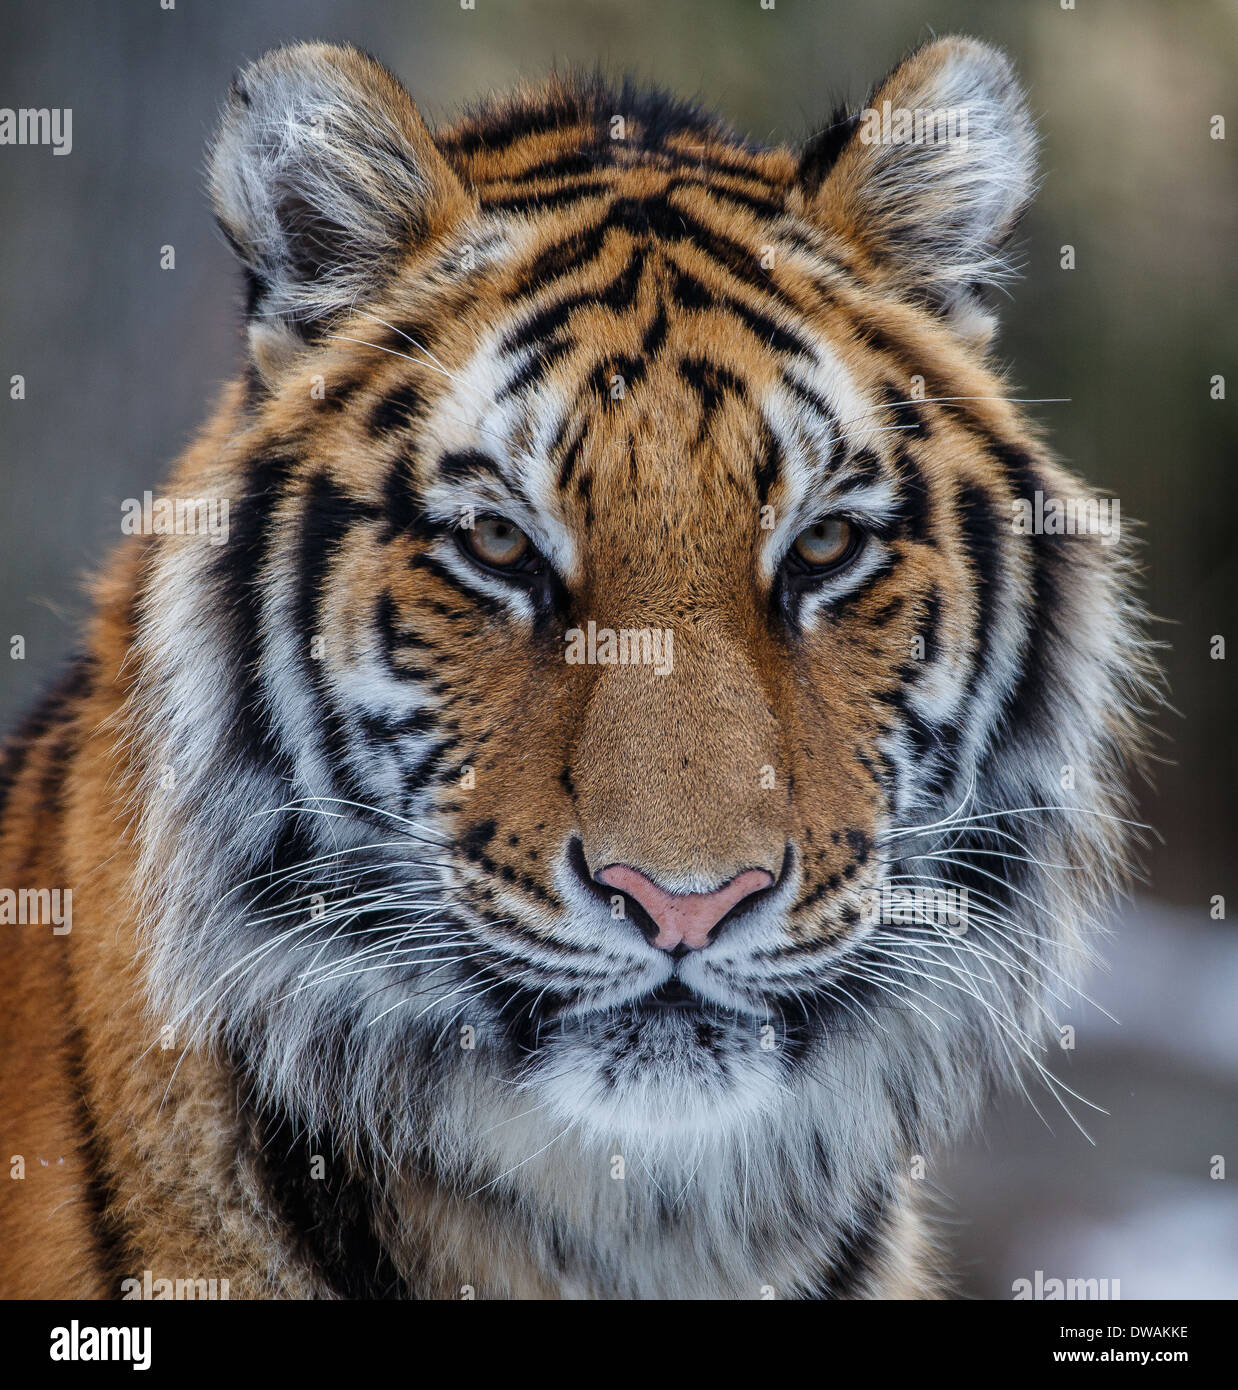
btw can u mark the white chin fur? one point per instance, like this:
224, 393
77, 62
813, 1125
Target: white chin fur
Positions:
653, 1083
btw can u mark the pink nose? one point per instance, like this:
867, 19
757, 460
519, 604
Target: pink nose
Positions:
685, 918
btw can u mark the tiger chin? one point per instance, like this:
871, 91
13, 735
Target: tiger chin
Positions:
411, 959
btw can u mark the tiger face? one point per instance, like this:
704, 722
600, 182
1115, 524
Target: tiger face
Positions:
624, 607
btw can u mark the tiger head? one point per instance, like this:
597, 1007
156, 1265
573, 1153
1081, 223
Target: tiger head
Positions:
628, 703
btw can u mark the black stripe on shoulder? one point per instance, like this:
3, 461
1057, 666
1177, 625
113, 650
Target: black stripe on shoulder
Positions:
55, 705
107, 1226
855, 1256
331, 1220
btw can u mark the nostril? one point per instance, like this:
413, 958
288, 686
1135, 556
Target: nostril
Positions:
684, 921
605, 894
580, 865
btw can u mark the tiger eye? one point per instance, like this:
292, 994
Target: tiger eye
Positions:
495, 541
825, 543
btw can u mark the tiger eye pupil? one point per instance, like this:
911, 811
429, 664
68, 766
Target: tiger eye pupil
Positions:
825, 543
495, 541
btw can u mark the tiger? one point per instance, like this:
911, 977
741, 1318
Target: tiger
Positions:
623, 787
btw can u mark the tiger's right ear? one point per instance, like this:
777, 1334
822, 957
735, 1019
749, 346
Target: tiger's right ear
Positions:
322, 175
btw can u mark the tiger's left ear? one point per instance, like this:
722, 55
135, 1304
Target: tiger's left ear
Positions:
323, 176
928, 182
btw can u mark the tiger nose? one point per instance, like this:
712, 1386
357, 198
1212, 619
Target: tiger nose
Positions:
683, 919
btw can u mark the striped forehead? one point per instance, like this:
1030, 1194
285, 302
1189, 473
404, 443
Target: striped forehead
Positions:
489, 449
500, 434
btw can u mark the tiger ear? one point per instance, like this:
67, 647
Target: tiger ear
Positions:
322, 175
929, 181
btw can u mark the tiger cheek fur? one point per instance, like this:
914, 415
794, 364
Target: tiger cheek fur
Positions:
476, 855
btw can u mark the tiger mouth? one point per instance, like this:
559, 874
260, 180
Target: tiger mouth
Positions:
673, 995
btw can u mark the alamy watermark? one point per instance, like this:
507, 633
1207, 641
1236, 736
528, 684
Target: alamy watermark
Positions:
37, 907
913, 125
921, 906
1040, 1286
79, 1342
627, 646
151, 1289
38, 125
1043, 515
175, 516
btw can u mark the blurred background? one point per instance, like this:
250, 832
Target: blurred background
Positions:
122, 361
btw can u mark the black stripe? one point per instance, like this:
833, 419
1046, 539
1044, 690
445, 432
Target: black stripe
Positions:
817, 403
654, 116
921, 733
540, 361
855, 1256
467, 463
572, 457
754, 202
822, 152
548, 197
770, 333
655, 335
565, 165
558, 260
331, 1220
433, 765
980, 528
770, 466
1029, 704
688, 292
711, 384
866, 587
656, 217
553, 318
393, 641
930, 628
740, 168
581, 189
477, 597
397, 410
327, 515
56, 704
107, 1226
237, 574
915, 510
863, 466
402, 509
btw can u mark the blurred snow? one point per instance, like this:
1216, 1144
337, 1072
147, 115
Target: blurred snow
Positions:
1138, 1204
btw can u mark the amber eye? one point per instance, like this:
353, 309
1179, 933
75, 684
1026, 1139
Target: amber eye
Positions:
827, 544
494, 541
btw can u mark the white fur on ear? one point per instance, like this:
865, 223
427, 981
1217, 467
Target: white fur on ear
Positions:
322, 174
932, 176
